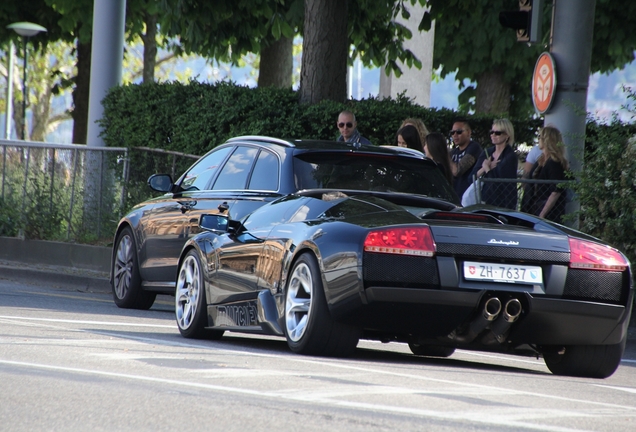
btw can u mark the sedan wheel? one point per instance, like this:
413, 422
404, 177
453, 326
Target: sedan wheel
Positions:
309, 327
190, 303
126, 281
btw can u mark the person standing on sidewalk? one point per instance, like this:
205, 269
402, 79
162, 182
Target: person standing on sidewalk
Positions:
499, 161
348, 128
463, 155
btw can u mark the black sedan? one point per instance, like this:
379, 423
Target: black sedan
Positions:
367, 242
237, 178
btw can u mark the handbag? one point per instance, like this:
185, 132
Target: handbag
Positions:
470, 195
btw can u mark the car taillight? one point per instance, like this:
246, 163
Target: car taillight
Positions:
594, 256
401, 240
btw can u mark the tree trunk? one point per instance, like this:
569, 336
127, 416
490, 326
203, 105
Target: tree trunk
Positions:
492, 94
277, 64
323, 74
40, 114
150, 48
81, 93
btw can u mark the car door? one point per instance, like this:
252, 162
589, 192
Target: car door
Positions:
174, 217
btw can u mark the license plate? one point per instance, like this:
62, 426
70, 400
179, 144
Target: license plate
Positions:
502, 273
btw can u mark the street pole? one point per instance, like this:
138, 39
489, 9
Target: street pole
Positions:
26, 30
571, 48
24, 87
9, 111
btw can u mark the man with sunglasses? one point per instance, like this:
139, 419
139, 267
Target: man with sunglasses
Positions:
463, 155
348, 128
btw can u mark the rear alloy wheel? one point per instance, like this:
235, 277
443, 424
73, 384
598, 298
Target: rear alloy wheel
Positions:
126, 281
587, 361
431, 350
309, 327
190, 303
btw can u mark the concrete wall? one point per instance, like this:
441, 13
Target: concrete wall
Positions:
38, 252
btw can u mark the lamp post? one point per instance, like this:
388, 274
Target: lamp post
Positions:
26, 30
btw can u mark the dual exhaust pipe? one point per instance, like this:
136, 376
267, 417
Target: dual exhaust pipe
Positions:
499, 318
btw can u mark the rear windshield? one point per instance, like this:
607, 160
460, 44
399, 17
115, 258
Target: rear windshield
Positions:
371, 173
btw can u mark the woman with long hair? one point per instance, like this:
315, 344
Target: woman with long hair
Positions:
409, 137
546, 199
419, 125
436, 148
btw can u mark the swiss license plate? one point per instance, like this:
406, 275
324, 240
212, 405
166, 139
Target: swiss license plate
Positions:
502, 273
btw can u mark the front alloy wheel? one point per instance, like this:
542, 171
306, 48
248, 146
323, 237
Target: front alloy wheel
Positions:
298, 301
190, 303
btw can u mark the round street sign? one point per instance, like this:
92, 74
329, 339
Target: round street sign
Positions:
543, 83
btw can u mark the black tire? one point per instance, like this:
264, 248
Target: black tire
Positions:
126, 281
190, 302
431, 350
309, 327
586, 361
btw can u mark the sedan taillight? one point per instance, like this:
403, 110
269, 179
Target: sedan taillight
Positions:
594, 256
401, 240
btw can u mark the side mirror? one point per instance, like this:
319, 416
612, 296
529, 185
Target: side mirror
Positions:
214, 222
160, 183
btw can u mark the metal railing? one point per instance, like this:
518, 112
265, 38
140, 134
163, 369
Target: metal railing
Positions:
70, 192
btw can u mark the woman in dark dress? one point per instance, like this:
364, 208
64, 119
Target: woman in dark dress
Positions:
546, 199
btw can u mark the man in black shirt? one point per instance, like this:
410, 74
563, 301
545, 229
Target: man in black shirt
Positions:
463, 155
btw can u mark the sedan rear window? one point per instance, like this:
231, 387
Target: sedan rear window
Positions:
344, 171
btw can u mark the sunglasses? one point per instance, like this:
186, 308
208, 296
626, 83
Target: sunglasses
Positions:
347, 124
456, 131
493, 132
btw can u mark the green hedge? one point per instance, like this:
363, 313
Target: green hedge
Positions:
196, 117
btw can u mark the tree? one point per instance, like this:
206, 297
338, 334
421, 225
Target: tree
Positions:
470, 42
323, 74
226, 29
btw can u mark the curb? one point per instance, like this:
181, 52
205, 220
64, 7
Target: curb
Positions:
61, 277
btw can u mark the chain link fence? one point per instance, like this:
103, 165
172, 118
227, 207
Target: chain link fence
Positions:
526, 195
75, 193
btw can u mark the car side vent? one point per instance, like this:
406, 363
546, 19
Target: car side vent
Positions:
462, 217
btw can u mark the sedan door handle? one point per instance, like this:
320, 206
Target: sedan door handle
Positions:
187, 205
223, 207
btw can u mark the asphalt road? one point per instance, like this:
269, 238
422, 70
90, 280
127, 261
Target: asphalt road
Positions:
70, 360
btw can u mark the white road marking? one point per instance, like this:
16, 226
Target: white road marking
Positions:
625, 389
107, 323
509, 417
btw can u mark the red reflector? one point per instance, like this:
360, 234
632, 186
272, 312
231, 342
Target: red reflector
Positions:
401, 240
594, 256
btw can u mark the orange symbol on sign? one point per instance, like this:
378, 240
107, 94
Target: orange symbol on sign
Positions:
543, 83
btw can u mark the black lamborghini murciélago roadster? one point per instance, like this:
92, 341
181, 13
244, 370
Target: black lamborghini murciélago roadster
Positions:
326, 243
